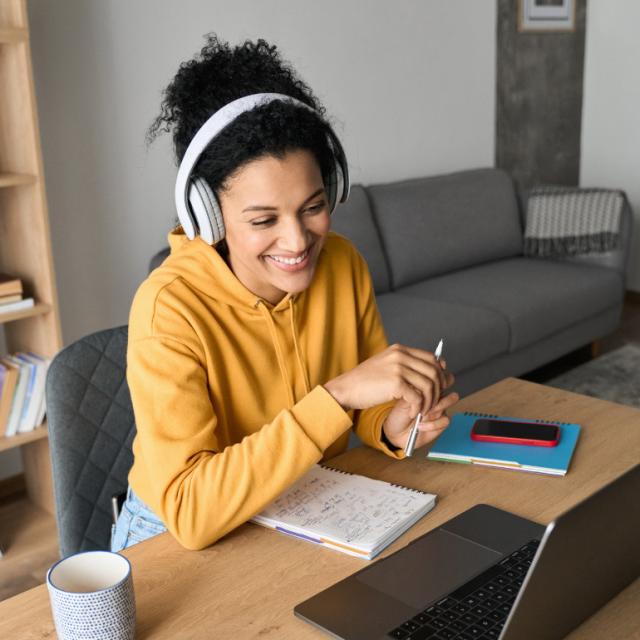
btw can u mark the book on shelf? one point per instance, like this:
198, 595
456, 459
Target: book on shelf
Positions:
12, 298
18, 397
10, 307
346, 512
10, 285
23, 408
9, 376
36, 409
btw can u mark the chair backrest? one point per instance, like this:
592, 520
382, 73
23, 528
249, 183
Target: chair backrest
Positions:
91, 427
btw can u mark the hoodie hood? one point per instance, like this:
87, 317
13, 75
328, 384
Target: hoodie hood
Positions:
203, 267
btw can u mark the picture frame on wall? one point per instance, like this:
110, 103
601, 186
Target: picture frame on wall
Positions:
547, 15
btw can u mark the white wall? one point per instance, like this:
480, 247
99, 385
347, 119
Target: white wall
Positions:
611, 108
411, 85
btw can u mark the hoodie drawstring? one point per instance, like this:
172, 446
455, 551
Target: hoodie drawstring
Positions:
303, 369
284, 372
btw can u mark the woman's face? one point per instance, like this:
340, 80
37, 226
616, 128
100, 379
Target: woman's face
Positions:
276, 219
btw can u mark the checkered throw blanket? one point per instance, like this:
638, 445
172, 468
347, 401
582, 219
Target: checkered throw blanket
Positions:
565, 221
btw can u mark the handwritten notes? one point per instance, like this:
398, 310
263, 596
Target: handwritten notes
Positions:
347, 508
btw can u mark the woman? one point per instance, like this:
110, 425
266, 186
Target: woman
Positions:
249, 360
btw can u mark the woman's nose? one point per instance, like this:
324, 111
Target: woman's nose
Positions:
294, 236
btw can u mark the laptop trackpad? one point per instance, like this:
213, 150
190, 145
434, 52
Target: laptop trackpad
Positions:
429, 568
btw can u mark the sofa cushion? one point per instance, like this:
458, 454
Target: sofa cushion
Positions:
354, 220
431, 226
420, 322
537, 297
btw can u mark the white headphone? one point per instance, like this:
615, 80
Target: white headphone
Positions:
198, 208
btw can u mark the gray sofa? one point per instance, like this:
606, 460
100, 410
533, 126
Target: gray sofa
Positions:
445, 255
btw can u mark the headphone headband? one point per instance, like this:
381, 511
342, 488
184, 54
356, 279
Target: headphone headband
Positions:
212, 127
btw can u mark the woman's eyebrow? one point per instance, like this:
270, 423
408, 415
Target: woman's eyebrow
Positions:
260, 207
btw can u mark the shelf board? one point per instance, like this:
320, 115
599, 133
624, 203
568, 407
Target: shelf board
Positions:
37, 310
16, 179
24, 438
11, 35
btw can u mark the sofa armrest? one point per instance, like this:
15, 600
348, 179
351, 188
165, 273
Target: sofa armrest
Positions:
618, 258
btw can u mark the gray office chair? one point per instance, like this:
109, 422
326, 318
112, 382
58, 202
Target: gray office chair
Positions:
91, 427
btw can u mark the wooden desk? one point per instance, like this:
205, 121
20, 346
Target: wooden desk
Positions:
246, 585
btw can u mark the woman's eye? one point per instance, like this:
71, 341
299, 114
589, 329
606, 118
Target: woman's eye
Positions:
315, 208
262, 223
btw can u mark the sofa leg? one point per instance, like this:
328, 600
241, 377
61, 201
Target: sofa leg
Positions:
596, 348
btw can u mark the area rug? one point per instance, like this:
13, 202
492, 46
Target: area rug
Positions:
614, 376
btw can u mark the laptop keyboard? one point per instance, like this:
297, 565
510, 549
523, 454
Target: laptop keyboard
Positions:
478, 609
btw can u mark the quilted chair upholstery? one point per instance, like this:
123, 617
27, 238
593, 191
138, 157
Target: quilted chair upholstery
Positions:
91, 427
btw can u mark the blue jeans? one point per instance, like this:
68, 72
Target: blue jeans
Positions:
136, 523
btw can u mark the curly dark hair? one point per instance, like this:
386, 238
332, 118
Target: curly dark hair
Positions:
221, 74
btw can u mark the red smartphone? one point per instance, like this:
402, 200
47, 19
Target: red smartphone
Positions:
529, 433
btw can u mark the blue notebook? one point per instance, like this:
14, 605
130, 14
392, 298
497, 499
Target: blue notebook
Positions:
456, 445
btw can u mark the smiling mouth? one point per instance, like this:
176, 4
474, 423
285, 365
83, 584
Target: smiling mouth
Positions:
297, 260
291, 264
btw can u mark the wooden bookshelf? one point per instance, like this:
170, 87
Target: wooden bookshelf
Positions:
16, 179
36, 310
25, 245
21, 439
12, 35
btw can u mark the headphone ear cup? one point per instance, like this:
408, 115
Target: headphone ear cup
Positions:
332, 192
339, 179
188, 221
206, 210
340, 186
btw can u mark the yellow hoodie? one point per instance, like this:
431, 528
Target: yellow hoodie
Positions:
226, 388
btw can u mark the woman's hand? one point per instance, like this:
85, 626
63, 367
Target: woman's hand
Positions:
401, 419
413, 377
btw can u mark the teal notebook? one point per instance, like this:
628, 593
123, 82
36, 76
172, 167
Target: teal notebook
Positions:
456, 445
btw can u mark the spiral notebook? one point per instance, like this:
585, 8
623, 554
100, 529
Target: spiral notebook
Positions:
455, 445
346, 512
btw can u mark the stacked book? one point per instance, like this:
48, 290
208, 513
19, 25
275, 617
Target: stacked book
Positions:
22, 403
11, 295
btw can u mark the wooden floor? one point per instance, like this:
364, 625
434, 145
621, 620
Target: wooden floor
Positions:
28, 535
29, 540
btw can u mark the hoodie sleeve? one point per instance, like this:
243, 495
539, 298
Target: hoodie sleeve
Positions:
372, 340
199, 489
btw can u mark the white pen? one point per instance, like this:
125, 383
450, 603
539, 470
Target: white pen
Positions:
413, 435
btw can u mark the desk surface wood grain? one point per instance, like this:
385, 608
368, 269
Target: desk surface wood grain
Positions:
246, 585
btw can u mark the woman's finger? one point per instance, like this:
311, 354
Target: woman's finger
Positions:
425, 365
445, 402
449, 379
417, 358
434, 425
411, 395
428, 384
431, 430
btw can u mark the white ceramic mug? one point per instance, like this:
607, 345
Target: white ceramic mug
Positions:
92, 597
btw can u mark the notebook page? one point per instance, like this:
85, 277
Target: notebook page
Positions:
347, 508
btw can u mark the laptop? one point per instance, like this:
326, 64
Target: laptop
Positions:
488, 573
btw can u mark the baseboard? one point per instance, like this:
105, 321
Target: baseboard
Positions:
12, 487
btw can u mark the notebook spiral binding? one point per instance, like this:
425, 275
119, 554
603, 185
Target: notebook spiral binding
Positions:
398, 486
345, 473
401, 486
495, 417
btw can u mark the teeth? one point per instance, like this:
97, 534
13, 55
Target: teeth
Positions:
297, 260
